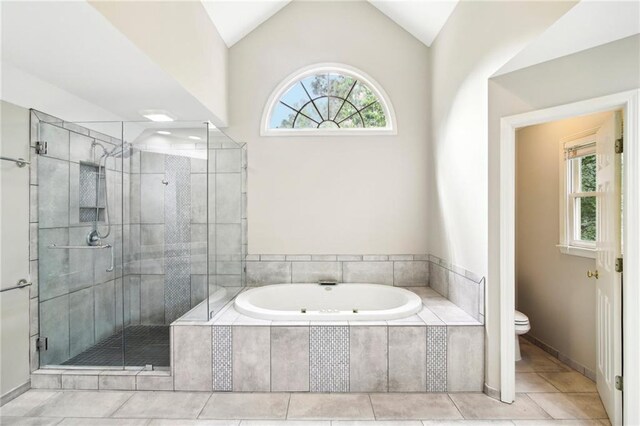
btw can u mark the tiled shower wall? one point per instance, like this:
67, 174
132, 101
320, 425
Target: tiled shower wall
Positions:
227, 211
166, 251
168, 246
79, 300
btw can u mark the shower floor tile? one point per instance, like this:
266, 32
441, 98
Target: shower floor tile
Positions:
145, 345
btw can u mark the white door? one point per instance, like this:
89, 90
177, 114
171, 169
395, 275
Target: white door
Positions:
609, 282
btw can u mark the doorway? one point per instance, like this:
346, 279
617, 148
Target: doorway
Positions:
559, 228
622, 310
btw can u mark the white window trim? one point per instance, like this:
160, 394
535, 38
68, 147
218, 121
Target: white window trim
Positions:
567, 244
293, 78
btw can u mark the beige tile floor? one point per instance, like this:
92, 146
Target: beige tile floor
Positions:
548, 393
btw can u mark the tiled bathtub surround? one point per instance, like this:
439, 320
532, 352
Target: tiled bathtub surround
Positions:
462, 287
423, 353
400, 270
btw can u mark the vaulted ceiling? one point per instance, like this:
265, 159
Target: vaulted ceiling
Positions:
422, 18
123, 80
588, 24
73, 47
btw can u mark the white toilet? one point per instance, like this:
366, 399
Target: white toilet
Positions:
522, 327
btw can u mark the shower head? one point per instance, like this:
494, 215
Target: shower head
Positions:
123, 151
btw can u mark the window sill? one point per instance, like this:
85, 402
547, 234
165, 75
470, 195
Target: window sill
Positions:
577, 251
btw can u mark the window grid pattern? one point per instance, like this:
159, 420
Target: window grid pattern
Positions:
581, 198
330, 100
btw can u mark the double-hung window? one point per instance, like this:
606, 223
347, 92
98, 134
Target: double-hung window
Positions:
578, 197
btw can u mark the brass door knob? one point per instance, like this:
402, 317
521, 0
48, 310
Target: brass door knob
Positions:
592, 274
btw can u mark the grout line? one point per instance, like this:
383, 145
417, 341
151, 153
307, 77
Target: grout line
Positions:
456, 405
393, 274
270, 370
205, 404
56, 392
373, 410
536, 404
388, 362
309, 357
121, 405
545, 380
286, 415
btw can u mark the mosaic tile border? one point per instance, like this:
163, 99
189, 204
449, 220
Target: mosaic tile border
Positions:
177, 244
222, 355
437, 359
329, 358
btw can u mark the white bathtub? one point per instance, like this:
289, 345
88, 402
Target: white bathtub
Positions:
299, 302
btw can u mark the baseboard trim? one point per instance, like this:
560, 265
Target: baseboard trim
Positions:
491, 392
14, 393
561, 357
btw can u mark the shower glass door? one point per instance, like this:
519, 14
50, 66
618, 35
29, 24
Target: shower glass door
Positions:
79, 240
121, 247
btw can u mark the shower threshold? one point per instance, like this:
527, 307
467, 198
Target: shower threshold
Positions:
144, 345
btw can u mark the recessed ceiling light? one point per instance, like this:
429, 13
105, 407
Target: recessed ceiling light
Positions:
195, 138
163, 132
157, 115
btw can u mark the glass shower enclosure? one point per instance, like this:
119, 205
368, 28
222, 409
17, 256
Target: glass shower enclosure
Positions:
138, 225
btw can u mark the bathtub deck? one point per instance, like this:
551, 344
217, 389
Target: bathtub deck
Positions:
440, 349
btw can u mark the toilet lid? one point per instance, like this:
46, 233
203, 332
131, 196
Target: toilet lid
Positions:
521, 318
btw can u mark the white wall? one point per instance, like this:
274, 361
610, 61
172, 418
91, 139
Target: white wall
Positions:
28, 91
180, 37
332, 195
607, 69
552, 288
14, 249
476, 41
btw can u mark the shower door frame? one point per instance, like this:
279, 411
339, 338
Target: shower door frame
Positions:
120, 224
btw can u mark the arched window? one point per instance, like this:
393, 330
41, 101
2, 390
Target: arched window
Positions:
328, 99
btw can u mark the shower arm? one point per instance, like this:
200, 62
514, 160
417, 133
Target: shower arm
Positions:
102, 246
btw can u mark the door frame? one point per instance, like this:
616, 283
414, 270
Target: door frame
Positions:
628, 102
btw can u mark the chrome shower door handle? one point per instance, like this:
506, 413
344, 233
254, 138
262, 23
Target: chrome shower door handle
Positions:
22, 283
